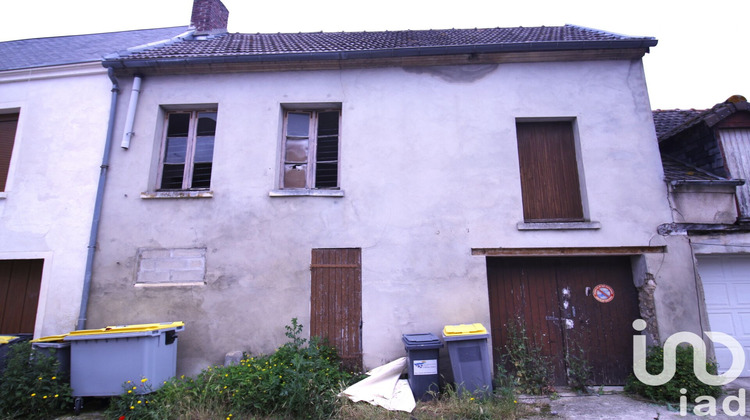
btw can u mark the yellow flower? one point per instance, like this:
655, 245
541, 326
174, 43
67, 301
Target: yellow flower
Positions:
40, 378
135, 387
54, 377
471, 399
144, 380
139, 401
130, 392
44, 397
132, 408
56, 395
34, 394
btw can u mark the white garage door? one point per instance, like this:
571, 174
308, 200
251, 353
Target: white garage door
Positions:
726, 285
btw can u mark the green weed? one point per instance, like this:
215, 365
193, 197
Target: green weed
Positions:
32, 385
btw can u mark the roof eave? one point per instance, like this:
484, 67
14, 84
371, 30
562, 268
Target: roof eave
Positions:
643, 44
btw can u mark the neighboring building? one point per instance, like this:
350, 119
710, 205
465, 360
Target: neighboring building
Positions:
706, 155
54, 105
373, 184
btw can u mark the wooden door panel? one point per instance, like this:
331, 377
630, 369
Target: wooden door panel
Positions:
523, 289
601, 332
336, 301
20, 281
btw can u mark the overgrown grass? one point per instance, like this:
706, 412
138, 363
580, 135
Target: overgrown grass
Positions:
300, 380
447, 405
684, 378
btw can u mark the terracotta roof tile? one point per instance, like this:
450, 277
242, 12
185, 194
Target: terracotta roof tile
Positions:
340, 42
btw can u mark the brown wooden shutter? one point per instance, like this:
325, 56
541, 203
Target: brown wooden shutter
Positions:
336, 301
549, 172
20, 281
8, 124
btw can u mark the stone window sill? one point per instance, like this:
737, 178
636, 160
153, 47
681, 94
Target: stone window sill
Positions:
175, 284
306, 193
177, 194
559, 226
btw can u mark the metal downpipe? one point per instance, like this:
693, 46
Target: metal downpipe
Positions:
98, 203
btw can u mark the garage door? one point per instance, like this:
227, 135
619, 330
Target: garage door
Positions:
726, 285
554, 298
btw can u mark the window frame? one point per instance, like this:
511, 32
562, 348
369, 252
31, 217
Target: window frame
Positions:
188, 170
314, 111
11, 116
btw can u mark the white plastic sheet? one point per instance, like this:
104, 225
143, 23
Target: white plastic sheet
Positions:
384, 388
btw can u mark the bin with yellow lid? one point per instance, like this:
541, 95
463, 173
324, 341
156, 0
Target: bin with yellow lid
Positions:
468, 350
102, 360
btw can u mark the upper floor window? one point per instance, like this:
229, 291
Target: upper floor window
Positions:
8, 125
187, 150
310, 149
550, 186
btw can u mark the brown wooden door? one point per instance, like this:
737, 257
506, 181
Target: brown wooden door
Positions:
20, 281
336, 301
554, 298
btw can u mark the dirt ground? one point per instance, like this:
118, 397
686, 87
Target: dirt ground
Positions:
614, 404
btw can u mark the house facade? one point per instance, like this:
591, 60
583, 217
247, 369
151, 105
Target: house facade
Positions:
378, 184
705, 154
54, 104
367, 184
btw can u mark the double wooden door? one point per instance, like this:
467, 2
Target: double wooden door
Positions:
565, 313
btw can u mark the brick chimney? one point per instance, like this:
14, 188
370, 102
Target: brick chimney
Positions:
209, 17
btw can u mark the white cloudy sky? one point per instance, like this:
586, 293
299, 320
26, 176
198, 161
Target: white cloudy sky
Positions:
702, 57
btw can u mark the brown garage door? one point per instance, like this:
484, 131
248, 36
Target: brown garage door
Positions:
554, 298
20, 281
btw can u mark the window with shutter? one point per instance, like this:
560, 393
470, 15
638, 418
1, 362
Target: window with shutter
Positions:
310, 150
550, 185
8, 125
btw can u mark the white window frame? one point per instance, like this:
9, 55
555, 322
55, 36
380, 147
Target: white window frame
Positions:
309, 189
187, 178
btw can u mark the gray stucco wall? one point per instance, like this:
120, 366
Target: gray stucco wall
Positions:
429, 168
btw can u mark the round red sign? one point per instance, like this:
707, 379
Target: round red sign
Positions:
604, 293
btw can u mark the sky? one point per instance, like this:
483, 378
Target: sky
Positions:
702, 57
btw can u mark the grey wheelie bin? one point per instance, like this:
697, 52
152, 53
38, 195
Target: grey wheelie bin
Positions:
422, 351
103, 360
469, 355
54, 346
